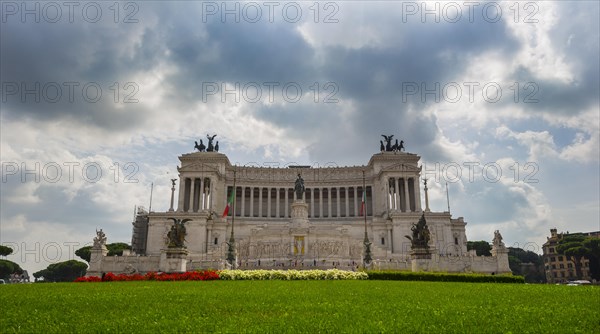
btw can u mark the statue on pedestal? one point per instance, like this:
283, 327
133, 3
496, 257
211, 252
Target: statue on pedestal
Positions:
497, 242
420, 234
100, 239
299, 187
176, 236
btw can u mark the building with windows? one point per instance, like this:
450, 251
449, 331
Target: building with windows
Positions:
324, 228
560, 268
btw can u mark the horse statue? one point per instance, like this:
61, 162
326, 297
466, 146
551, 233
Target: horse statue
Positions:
401, 146
200, 147
210, 147
395, 146
388, 142
381, 146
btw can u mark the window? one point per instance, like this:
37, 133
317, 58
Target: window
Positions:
562, 266
216, 241
553, 266
551, 249
383, 241
560, 258
552, 259
569, 265
455, 240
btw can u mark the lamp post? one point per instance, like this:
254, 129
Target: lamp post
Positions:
231, 244
367, 258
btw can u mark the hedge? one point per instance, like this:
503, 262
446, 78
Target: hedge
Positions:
442, 277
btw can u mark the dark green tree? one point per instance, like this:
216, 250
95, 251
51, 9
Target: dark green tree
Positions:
482, 248
7, 268
528, 264
593, 245
84, 253
573, 245
117, 248
5, 250
113, 249
66, 271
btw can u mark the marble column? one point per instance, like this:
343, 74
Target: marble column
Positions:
269, 202
287, 200
396, 195
337, 201
406, 197
320, 202
260, 201
347, 200
329, 202
191, 198
243, 200
277, 199
251, 201
356, 201
180, 199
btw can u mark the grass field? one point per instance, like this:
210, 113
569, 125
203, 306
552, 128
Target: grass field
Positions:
299, 306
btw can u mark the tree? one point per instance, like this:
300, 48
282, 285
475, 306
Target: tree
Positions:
5, 250
593, 245
117, 248
482, 248
578, 246
528, 264
113, 249
7, 268
66, 271
84, 253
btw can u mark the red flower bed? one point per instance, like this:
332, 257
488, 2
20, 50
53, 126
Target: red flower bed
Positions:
207, 275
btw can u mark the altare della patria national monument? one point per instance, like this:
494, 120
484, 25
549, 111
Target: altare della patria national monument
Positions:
299, 217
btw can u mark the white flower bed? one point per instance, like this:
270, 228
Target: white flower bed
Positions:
330, 274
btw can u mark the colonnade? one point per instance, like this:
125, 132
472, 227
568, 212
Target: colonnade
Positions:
403, 194
195, 194
324, 202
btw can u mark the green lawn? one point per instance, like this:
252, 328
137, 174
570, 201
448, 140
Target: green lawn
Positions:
299, 306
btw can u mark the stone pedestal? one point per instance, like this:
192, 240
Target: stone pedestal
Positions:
97, 255
420, 259
299, 214
299, 227
501, 255
173, 260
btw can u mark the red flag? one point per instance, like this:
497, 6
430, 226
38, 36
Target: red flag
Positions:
229, 203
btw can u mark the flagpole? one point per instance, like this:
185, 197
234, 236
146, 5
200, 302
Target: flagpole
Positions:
231, 244
367, 258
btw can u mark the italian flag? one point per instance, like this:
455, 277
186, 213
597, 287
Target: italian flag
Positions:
229, 203
362, 203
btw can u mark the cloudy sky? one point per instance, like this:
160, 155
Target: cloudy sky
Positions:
500, 99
